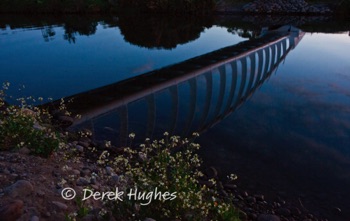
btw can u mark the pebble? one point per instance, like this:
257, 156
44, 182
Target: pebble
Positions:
251, 200
60, 205
82, 182
83, 144
85, 172
268, 217
295, 211
79, 148
109, 170
24, 150
66, 120
11, 211
283, 212
34, 218
40, 193
211, 172
21, 188
259, 197
336, 210
76, 172
230, 186
115, 178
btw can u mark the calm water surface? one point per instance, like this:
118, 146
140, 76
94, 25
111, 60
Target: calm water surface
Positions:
59, 65
290, 138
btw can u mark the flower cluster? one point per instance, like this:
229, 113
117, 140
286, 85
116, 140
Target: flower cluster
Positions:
170, 165
26, 126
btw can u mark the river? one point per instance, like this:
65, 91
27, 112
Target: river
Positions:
285, 134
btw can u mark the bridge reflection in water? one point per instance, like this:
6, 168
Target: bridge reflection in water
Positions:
190, 96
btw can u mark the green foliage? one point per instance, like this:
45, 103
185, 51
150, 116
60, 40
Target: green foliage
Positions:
168, 165
26, 126
82, 211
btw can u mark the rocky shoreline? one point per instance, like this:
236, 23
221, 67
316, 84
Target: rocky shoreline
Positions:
31, 186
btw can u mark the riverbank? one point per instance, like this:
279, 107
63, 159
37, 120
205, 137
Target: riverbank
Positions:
68, 180
31, 188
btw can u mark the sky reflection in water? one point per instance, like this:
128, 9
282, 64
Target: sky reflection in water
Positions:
292, 135
58, 68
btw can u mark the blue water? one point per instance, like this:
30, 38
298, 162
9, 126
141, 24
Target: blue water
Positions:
291, 137
293, 134
58, 68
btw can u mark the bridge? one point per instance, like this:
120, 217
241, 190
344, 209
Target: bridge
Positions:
189, 96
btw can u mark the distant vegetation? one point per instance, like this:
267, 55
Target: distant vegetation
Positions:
169, 5
54, 6
95, 6
341, 7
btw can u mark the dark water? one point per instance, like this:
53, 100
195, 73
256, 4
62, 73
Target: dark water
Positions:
284, 129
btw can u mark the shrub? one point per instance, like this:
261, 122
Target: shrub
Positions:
26, 126
168, 165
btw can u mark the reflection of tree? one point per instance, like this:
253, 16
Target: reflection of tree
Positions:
162, 31
81, 26
244, 33
47, 33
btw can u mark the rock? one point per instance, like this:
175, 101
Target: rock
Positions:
28, 112
109, 170
230, 186
11, 211
24, 150
82, 182
79, 148
251, 200
34, 218
37, 126
93, 180
60, 205
40, 193
95, 187
243, 215
115, 178
336, 210
76, 172
89, 218
295, 211
239, 197
283, 212
56, 173
211, 172
83, 144
259, 197
21, 188
206, 183
65, 120
268, 217
6, 171
85, 172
